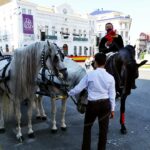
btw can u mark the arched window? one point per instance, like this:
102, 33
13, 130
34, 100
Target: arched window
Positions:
65, 49
85, 50
91, 51
75, 50
80, 50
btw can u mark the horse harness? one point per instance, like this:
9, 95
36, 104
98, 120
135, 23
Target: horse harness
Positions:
48, 78
43, 81
5, 76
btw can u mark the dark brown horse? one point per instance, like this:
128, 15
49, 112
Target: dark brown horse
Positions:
123, 66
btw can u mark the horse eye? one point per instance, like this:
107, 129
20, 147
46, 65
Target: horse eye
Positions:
56, 59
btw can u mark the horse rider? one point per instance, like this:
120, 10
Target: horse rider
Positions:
101, 101
112, 41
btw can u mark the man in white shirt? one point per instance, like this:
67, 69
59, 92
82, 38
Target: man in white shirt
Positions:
101, 101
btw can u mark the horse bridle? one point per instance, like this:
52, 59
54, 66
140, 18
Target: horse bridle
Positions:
44, 58
52, 73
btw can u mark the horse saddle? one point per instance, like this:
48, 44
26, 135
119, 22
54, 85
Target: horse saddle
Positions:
4, 72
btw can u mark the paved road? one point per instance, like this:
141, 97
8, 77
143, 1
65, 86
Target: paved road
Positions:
137, 121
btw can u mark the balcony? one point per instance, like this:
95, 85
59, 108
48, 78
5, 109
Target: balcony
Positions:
79, 39
51, 37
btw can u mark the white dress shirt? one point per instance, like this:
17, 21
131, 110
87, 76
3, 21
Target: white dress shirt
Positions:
100, 85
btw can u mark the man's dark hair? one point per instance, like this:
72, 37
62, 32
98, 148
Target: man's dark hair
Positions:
100, 59
109, 23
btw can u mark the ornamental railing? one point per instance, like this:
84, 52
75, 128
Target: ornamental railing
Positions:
79, 39
51, 37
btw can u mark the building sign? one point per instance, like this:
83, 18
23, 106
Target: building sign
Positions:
28, 27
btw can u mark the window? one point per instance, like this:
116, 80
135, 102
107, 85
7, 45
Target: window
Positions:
80, 50
46, 30
67, 30
23, 11
62, 29
53, 30
122, 33
126, 25
121, 25
84, 33
90, 51
75, 50
29, 11
74, 31
80, 33
126, 34
85, 51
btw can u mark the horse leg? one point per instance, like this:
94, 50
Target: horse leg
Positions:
122, 115
2, 128
63, 111
39, 107
43, 115
30, 131
38, 115
18, 119
53, 115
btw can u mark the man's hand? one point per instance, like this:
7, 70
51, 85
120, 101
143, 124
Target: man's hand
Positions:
112, 114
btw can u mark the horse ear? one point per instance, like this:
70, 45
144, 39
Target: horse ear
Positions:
134, 46
142, 63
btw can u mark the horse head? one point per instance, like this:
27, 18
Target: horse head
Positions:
53, 59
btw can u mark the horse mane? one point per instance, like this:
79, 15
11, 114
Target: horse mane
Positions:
130, 49
24, 69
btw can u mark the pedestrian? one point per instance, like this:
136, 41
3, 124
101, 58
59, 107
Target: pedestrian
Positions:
87, 63
101, 101
112, 41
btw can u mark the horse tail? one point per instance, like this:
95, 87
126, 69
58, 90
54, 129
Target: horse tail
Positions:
7, 105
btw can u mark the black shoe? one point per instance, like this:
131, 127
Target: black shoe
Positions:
134, 86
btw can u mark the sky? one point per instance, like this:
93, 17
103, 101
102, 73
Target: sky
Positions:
139, 10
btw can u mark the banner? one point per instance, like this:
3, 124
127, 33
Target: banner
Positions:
28, 27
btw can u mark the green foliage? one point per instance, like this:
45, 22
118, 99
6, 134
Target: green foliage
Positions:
142, 54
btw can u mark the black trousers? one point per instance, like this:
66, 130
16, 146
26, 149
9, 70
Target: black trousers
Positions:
100, 109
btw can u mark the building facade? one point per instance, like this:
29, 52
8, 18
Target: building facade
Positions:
120, 21
23, 23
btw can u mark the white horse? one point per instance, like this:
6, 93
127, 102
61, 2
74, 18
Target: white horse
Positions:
22, 71
57, 89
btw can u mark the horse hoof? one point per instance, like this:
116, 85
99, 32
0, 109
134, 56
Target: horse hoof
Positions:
63, 128
31, 135
2, 130
38, 117
20, 139
44, 118
123, 131
53, 130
